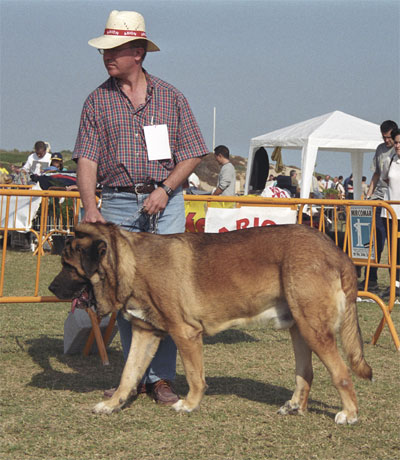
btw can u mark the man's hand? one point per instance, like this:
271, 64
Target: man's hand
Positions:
156, 201
91, 217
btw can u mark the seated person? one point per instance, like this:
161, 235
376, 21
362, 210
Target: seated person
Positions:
56, 163
36, 162
56, 175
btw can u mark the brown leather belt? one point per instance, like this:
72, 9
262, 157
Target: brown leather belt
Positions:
138, 189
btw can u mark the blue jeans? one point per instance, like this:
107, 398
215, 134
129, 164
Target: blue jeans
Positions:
380, 241
123, 209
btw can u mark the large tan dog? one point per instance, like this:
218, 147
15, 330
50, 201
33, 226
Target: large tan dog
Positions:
173, 285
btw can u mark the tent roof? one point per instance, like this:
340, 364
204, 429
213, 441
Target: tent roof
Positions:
335, 130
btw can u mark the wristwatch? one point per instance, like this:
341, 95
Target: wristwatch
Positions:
168, 190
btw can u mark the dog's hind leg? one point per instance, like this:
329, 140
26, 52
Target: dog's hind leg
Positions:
304, 375
143, 348
322, 341
191, 353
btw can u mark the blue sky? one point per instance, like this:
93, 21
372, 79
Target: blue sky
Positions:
263, 64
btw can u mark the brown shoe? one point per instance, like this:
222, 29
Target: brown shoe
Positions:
163, 393
141, 389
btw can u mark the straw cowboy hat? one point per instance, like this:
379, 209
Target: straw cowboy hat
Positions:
123, 27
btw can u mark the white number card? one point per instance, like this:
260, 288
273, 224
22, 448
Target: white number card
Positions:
157, 142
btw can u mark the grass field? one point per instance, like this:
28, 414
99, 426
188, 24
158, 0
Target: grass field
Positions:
46, 396
8, 158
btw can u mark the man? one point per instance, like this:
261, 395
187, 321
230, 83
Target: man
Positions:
348, 187
377, 191
327, 183
139, 139
37, 161
227, 175
340, 188
295, 183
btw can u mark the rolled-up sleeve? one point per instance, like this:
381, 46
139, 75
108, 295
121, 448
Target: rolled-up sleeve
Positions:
87, 142
190, 140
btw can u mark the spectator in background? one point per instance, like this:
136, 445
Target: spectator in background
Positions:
227, 175
36, 162
378, 189
294, 181
348, 187
340, 188
391, 175
57, 162
315, 184
321, 187
327, 183
364, 188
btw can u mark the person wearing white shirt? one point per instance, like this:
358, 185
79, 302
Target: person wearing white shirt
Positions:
391, 175
327, 182
37, 161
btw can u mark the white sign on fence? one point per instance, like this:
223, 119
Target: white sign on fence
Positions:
22, 211
225, 220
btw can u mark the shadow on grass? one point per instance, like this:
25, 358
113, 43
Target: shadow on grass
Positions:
87, 374
229, 336
253, 390
78, 373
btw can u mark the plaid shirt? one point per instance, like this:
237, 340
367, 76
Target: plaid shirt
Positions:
111, 132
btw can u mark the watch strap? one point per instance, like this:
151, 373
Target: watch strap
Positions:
168, 190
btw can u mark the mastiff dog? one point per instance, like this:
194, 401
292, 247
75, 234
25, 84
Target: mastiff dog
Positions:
190, 285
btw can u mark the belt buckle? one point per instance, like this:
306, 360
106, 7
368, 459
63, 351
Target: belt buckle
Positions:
136, 188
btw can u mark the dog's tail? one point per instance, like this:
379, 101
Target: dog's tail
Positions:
350, 330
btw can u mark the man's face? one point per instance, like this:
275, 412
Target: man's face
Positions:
396, 143
121, 60
218, 158
40, 152
387, 139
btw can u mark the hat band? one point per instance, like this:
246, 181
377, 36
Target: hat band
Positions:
125, 33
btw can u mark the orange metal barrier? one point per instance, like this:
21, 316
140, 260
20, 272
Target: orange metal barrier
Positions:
326, 215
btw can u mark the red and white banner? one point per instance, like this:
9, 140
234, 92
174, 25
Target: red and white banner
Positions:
226, 220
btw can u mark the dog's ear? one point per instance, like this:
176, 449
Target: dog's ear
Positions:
91, 257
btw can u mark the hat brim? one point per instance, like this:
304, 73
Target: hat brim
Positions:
107, 42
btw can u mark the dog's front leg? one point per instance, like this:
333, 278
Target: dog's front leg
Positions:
143, 348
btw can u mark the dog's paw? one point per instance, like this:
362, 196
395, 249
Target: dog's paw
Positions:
104, 408
290, 408
180, 406
342, 419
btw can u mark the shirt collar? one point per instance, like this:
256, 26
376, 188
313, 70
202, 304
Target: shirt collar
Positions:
149, 81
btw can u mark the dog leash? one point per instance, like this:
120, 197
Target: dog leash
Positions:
153, 220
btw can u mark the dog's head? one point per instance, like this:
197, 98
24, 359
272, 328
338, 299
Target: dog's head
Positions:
84, 267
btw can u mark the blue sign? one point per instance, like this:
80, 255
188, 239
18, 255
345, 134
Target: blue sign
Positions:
361, 225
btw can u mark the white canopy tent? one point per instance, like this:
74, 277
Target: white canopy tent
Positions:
335, 131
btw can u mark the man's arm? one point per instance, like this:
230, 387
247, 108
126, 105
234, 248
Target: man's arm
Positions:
372, 185
217, 191
157, 200
224, 181
87, 180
